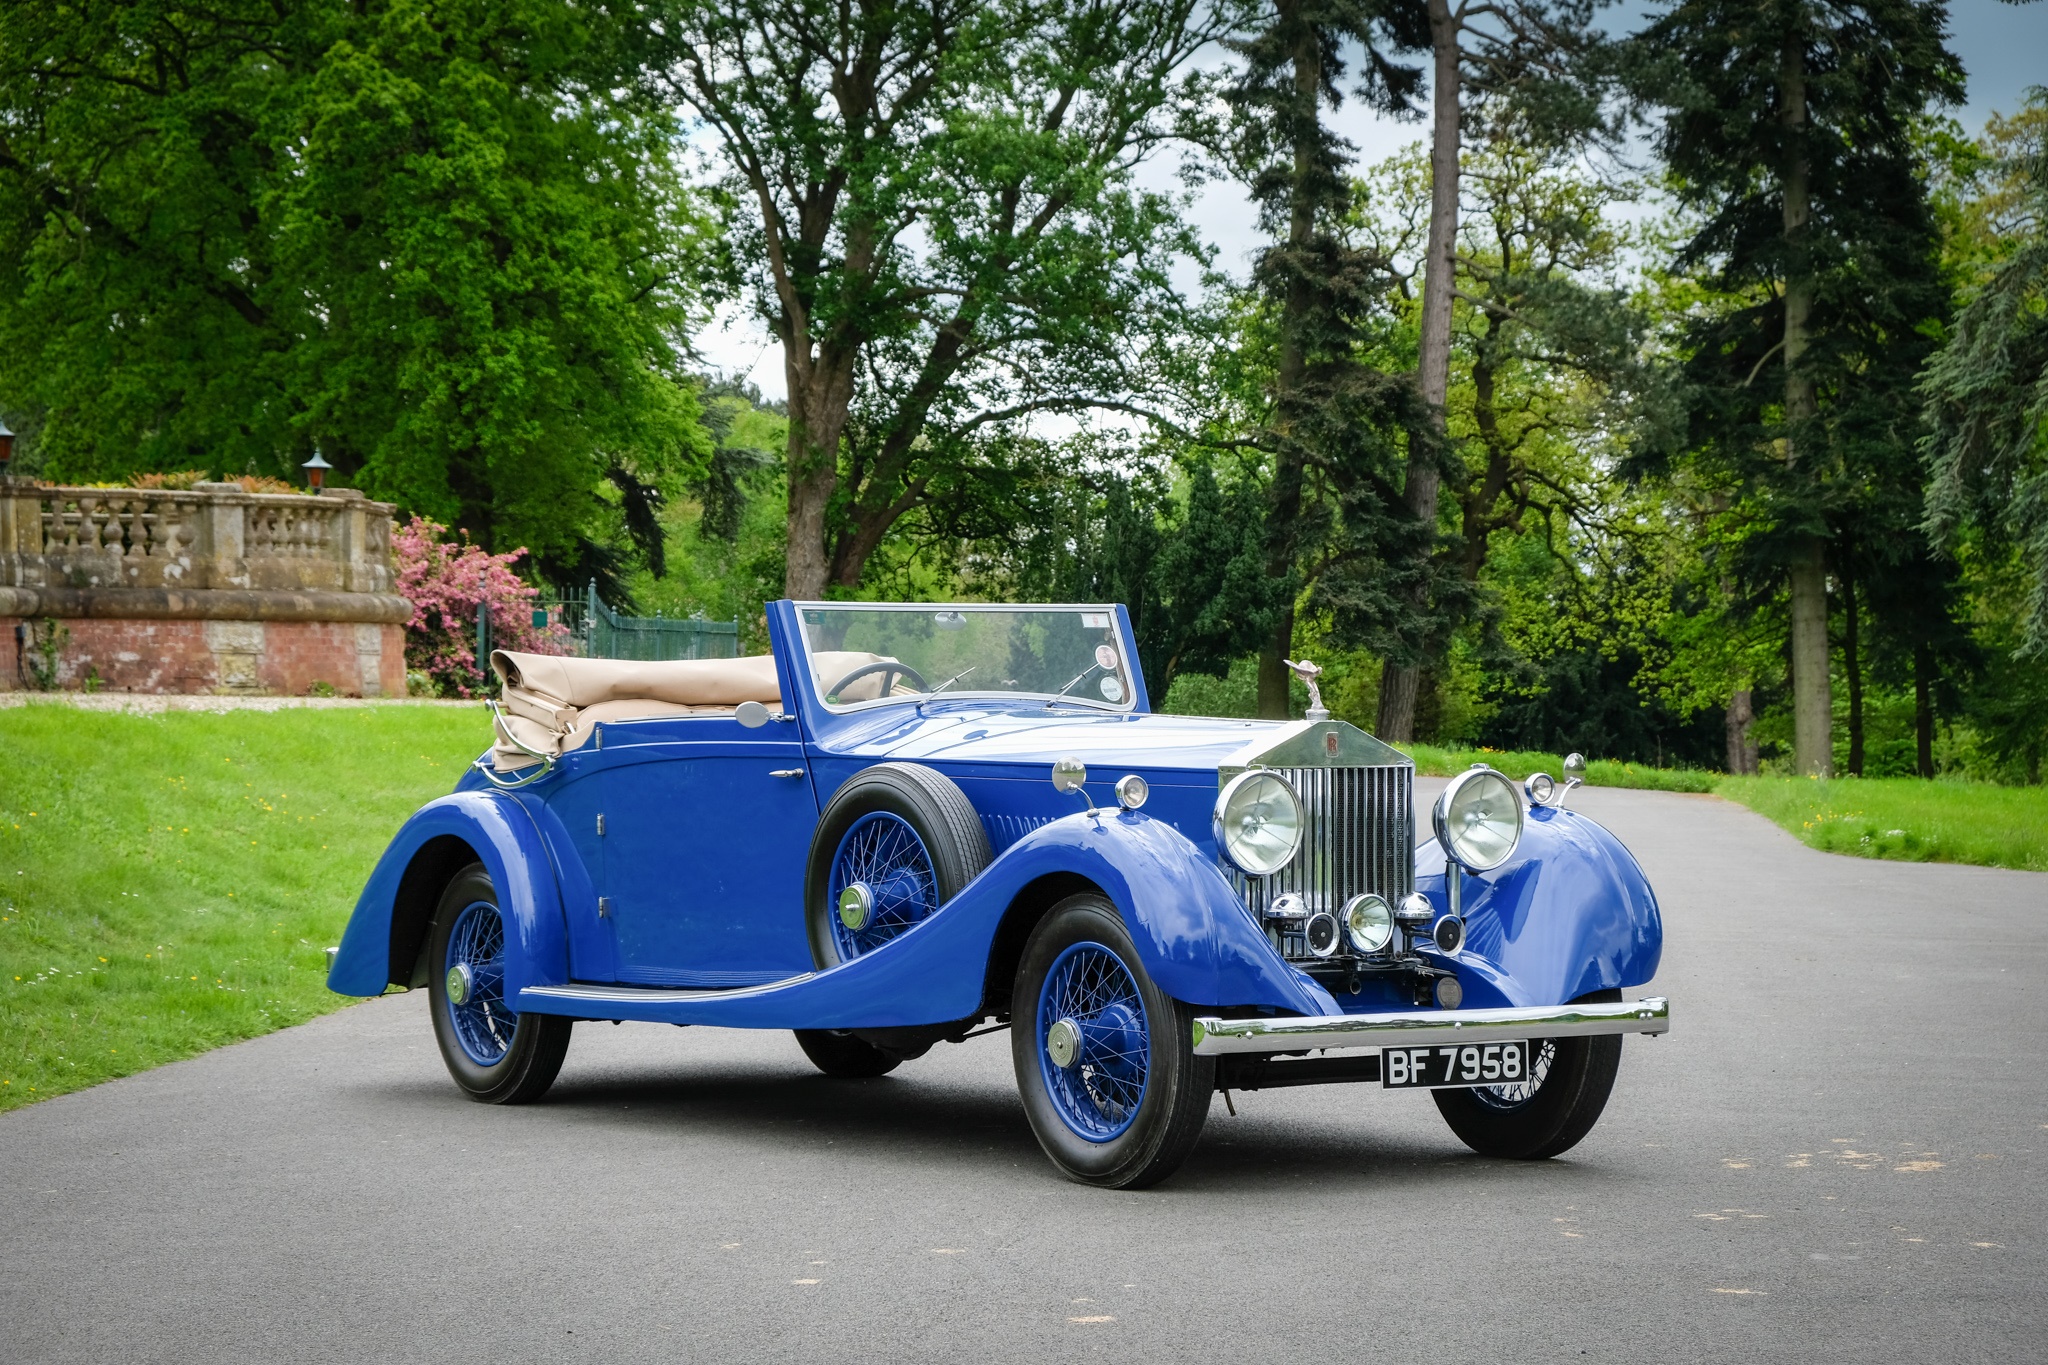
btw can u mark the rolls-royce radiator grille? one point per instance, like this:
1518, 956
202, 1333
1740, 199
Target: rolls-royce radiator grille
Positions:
1360, 837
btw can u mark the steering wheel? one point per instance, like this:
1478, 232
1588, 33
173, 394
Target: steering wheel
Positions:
881, 666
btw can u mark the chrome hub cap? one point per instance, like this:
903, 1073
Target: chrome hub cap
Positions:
460, 983
1063, 1043
856, 906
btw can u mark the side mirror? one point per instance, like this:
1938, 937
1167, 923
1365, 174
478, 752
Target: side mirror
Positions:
751, 714
1575, 767
1068, 774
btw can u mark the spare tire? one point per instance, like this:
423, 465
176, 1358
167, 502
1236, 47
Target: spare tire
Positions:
895, 843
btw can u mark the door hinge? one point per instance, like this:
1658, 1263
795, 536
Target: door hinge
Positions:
600, 825
604, 907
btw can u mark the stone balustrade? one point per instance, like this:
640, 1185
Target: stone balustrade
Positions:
215, 536
214, 554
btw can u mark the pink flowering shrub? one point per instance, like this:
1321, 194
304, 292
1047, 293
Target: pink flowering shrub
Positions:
445, 581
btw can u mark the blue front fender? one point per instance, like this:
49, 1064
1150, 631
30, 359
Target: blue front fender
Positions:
1570, 913
383, 934
1186, 920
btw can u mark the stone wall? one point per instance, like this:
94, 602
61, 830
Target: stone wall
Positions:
212, 590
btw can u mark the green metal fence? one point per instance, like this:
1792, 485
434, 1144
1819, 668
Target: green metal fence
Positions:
595, 631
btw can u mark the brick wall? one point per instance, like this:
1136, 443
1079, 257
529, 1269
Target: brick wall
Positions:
276, 657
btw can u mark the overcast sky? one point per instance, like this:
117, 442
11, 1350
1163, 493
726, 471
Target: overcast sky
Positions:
2004, 49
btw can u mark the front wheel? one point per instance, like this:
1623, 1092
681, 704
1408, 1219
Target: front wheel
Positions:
1105, 1059
1569, 1081
496, 1055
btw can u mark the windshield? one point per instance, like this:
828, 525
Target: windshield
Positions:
870, 652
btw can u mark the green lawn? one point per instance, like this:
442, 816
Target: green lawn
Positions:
1906, 818
1901, 818
170, 883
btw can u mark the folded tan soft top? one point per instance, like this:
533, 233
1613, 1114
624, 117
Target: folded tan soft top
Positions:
552, 703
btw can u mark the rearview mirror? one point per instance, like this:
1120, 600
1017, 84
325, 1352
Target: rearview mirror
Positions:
751, 714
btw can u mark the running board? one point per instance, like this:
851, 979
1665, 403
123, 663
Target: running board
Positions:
596, 994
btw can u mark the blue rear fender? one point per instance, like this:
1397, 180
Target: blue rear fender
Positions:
388, 930
1570, 913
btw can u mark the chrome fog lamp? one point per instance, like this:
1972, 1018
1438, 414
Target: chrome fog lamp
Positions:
1370, 922
1258, 822
1479, 819
1131, 791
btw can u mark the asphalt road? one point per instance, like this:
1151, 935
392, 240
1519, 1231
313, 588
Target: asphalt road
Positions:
1840, 1152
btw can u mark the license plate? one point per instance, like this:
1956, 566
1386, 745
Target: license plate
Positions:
1435, 1068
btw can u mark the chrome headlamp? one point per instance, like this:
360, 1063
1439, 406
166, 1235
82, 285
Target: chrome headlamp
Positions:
1258, 822
1478, 819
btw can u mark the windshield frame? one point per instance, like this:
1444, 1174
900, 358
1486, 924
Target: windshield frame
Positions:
1118, 623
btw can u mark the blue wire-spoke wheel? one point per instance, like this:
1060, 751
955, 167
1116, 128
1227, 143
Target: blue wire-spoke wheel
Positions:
474, 979
882, 883
1094, 1046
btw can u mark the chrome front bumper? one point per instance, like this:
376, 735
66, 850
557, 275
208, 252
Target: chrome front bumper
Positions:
1420, 1028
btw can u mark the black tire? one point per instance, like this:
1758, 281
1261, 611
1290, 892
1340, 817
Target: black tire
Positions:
1178, 1084
1562, 1110
844, 1056
539, 1041
929, 802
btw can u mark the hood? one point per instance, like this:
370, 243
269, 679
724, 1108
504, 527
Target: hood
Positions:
1033, 735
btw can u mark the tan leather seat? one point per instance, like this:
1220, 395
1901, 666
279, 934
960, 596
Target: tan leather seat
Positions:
553, 704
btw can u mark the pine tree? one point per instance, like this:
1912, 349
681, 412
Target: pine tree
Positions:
1987, 397
1331, 411
1789, 130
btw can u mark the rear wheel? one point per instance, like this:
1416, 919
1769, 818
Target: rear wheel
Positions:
1105, 1059
1569, 1082
840, 1054
496, 1055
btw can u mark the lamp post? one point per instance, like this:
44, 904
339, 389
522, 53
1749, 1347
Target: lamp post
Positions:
316, 470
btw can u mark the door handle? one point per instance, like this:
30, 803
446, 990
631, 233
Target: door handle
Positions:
787, 772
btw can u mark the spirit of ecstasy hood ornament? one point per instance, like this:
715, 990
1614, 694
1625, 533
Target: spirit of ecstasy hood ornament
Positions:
1308, 673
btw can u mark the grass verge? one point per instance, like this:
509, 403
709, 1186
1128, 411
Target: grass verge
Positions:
1900, 818
1905, 818
170, 883
1434, 762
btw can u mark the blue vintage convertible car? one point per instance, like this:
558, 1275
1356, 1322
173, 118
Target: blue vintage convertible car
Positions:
910, 823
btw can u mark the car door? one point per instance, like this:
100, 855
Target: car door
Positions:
707, 828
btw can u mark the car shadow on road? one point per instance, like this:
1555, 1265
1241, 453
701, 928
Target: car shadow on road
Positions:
940, 1120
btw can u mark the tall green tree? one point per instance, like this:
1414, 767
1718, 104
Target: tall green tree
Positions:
934, 207
1536, 67
1332, 427
1789, 132
1987, 392
439, 239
